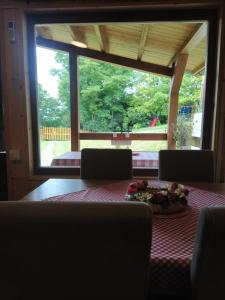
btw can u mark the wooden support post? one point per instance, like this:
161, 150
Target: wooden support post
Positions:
174, 95
74, 96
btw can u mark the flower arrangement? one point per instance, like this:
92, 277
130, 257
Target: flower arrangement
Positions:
170, 198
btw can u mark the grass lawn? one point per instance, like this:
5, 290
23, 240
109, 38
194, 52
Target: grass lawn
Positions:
51, 149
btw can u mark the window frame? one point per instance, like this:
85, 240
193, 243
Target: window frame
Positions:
209, 15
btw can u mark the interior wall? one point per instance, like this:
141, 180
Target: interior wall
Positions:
14, 71
15, 100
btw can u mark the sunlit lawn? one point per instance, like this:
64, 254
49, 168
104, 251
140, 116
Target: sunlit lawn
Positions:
51, 149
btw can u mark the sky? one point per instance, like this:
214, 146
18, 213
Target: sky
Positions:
45, 62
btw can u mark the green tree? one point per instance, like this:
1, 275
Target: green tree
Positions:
114, 98
49, 109
150, 99
190, 90
63, 76
104, 95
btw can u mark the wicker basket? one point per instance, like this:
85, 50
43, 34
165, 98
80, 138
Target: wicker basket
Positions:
173, 208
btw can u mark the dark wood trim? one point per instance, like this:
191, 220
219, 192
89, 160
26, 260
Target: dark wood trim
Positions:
145, 172
57, 170
37, 168
110, 58
211, 63
2, 135
33, 94
122, 136
126, 15
46, 43
74, 103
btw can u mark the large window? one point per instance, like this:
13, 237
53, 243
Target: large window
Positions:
124, 85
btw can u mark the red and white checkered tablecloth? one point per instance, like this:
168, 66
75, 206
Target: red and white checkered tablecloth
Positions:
140, 159
173, 235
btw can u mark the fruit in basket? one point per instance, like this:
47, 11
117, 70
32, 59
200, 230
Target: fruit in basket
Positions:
171, 198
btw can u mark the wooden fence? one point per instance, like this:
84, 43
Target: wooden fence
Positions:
55, 134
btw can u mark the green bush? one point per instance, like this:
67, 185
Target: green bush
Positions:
182, 132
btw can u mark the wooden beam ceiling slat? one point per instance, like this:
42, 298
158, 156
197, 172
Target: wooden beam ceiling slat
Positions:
44, 32
76, 34
143, 38
199, 68
192, 41
101, 37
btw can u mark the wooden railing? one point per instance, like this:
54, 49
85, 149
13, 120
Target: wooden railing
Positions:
64, 134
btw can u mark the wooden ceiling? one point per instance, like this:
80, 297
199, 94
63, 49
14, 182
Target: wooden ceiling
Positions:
150, 43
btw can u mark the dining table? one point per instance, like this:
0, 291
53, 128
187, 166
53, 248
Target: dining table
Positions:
173, 235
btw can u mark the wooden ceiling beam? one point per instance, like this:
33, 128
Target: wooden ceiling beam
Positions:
76, 34
101, 37
110, 58
126, 62
142, 42
192, 41
44, 32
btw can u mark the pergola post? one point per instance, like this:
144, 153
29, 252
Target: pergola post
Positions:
174, 95
74, 95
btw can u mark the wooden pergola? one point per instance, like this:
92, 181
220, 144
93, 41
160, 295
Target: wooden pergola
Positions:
163, 48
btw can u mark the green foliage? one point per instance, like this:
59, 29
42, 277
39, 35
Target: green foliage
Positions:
49, 108
112, 98
183, 130
63, 76
104, 95
190, 91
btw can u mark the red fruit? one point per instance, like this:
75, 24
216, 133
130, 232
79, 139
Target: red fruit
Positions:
133, 185
132, 190
141, 185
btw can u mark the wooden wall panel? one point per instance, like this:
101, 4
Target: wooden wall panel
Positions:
15, 101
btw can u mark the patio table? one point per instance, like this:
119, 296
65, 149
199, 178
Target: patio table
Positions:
141, 159
173, 234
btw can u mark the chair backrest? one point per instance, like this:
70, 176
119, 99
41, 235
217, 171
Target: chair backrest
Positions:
208, 263
186, 165
106, 163
74, 250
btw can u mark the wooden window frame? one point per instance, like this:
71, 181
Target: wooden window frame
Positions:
209, 14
